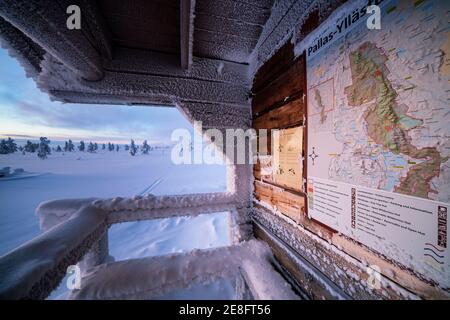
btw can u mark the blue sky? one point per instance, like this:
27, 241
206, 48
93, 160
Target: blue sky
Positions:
27, 112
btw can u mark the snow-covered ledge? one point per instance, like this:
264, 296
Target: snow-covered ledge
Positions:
153, 277
52, 213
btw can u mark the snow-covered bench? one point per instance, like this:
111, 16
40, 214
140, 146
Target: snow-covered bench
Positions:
76, 231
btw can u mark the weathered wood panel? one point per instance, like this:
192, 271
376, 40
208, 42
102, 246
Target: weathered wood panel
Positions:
290, 83
289, 115
268, 143
187, 8
73, 49
257, 171
120, 29
310, 23
278, 12
274, 67
287, 202
279, 105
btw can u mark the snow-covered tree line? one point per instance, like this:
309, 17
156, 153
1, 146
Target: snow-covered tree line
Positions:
8, 146
42, 148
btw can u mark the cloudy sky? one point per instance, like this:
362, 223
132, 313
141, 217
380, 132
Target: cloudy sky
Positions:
26, 112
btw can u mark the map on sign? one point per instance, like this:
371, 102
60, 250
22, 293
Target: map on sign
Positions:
379, 103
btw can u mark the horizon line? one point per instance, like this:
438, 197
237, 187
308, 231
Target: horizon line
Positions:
115, 140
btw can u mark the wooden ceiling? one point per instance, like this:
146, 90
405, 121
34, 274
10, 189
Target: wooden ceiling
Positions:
229, 29
223, 29
144, 24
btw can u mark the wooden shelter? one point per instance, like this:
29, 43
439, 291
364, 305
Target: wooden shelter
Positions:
229, 64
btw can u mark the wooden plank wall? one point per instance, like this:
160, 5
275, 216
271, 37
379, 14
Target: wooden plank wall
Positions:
278, 102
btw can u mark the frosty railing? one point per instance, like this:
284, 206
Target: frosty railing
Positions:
248, 263
76, 230
34, 270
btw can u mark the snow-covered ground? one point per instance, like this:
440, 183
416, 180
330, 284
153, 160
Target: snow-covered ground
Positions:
110, 174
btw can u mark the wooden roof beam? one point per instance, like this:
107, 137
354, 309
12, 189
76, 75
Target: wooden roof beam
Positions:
186, 32
44, 21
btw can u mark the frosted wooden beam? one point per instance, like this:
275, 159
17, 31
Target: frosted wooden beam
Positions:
130, 87
44, 21
186, 32
28, 53
162, 64
97, 25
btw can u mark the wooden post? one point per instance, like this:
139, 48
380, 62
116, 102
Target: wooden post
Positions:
186, 32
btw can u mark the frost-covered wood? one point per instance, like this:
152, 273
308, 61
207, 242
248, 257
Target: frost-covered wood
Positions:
57, 80
76, 227
286, 19
151, 277
48, 29
34, 270
99, 32
136, 208
19, 46
156, 63
151, 202
187, 8
53, 212
230, 116
272, 34
219, 28
310, 280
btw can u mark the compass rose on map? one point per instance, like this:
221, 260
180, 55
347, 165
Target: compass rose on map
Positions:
313, 155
